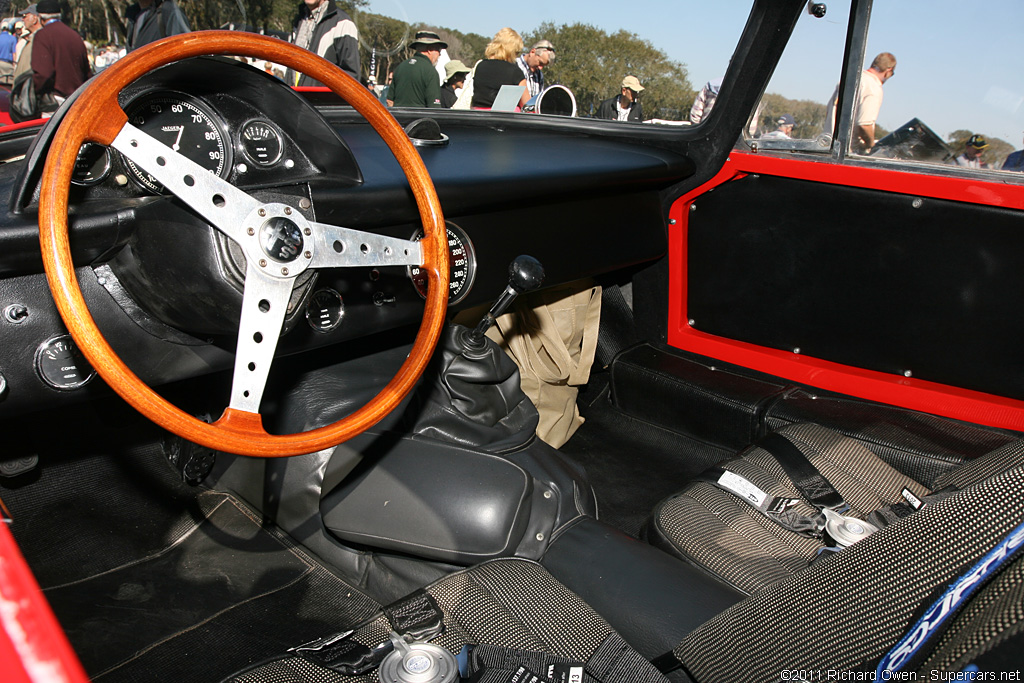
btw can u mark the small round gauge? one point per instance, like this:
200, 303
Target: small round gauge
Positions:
461, 264
91, 165
185, 125
61, 365
261, 143
325, 310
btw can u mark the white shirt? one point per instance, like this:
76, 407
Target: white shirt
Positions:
623, 113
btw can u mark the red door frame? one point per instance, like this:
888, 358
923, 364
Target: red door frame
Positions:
33, 648
897, 390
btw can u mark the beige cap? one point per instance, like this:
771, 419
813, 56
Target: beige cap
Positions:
633, 83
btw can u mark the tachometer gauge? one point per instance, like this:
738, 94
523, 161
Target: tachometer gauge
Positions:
461, 265
261, 143
186, 126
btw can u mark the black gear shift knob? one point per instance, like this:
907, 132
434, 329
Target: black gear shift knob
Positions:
525, 274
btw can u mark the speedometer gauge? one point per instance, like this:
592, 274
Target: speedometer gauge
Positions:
186, 126
461, 264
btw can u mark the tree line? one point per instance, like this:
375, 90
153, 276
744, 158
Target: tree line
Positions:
590, 61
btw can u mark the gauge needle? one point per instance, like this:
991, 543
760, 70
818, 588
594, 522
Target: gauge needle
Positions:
176, 146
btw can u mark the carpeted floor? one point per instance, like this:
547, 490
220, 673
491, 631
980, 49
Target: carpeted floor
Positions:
632, 464
154, 581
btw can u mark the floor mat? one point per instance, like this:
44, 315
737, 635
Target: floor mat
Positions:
632, 464
155, 581
227, 593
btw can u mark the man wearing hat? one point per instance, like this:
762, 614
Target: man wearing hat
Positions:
454, 78
973, 150
626, 105
60, 62
415, 82
23, 53
323, 28
784, 131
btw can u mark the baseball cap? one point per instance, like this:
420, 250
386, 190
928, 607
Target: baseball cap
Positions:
633, 83
786, 120
31, 9
978, 142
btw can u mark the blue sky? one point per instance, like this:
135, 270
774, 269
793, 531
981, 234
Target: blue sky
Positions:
959, 64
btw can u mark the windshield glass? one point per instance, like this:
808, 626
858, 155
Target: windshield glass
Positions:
641, 63
650, 63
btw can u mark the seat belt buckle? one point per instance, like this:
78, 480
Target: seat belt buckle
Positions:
842, 531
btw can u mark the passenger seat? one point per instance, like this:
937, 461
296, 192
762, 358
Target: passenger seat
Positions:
773, 510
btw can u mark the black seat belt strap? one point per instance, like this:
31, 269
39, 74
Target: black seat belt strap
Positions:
811, 483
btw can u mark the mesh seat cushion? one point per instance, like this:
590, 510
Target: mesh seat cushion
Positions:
510, 603
720, 533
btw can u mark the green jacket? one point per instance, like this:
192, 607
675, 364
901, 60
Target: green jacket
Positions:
416, 84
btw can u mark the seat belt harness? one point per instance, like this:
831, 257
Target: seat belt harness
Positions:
831, 526
415, 618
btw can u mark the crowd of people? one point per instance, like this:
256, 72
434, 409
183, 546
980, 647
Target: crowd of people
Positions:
509, 77
60, 60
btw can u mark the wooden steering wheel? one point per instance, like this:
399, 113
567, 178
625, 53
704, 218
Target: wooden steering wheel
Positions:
278, 242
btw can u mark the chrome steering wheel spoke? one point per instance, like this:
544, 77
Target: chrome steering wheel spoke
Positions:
264, 305
338, 247
222, 204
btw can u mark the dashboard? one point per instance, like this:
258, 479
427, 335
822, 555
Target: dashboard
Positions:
166, 288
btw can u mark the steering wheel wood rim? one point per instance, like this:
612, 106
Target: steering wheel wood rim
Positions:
96, 116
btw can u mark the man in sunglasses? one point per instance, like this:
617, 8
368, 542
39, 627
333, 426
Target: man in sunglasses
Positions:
626, 105
533, 63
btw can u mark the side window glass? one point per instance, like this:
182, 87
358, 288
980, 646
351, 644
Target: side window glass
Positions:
947, 92
793, 112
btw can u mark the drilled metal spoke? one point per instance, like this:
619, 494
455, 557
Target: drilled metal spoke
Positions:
344, 247
220, 203
264, 305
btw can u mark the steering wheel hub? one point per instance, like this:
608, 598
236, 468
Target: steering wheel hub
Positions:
281, 239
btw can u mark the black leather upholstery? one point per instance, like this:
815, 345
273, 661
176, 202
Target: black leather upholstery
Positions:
434, 501
650, 598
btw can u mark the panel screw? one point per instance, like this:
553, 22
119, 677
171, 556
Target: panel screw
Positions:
284, 271
262, 212
308, 254
691, 322
288, 211
250, 231
548, 494
263, 263
907, 373
796, 350
304, 203
917, 203
671, 221
693, 207
307, 232
540, 537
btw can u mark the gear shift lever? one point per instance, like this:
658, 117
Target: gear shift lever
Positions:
525, 274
